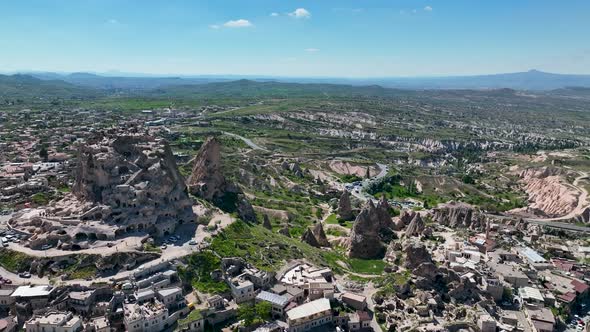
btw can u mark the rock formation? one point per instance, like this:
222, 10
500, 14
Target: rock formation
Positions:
548, 195
415, 254
206, 179
316, 236
459, 215
344, 206
366, 237
320, 235
285, 231
309, 238
416, 226
208, 182
266, 222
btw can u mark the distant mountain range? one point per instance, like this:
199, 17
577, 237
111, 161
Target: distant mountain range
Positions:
531, 80
49, 86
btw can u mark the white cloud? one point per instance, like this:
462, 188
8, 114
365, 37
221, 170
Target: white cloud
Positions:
241, 23
214, 26
300, 13
312, 50
428, 8
274, 14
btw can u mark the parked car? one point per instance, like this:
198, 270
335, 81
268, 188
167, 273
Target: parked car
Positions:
25, 275
192, 242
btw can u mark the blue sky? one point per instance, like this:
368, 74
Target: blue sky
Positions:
338, 38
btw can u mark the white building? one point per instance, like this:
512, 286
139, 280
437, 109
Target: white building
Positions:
242, 290
147, 317
54, 322
309, 315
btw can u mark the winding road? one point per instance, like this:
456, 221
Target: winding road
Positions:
246, 140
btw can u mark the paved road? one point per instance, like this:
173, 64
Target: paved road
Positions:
360, 191
246, 140
553, 224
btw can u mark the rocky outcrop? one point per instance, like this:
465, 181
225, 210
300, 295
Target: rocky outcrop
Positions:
548, 195
206, 179
415, 253
316, 236
584, 217
345, 207
366, 237
266, 222
320, 235
406, 216
285, 231
309, 238
123, 183
459, 215
208, 182
416, 226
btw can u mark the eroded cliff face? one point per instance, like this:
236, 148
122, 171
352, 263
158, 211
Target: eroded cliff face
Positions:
367, 235
124, 182
548, 193
208, 182
456, 214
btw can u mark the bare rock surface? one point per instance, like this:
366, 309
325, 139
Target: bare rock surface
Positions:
320, 235
309, 238
344, 206
416, 226
548, 195
208, 182
366, 236
123, 183
461, 215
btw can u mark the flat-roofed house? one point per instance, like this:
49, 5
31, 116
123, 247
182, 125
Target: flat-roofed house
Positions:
278, 302
309, 315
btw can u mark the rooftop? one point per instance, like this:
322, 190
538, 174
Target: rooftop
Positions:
32, 291
272, 298
308, 309
532, 255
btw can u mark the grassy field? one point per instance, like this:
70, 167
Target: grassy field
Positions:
198, 273
367, 266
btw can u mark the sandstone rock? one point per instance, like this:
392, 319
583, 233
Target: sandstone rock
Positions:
344, 206
399, 224
310, 239
459, 215
416, 226
367, 231
208, 182
415, 254
285, 231
548, 194
123, 182
266, 223
320, 235
406, 216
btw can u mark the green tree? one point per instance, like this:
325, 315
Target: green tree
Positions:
247, 313
263, 310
